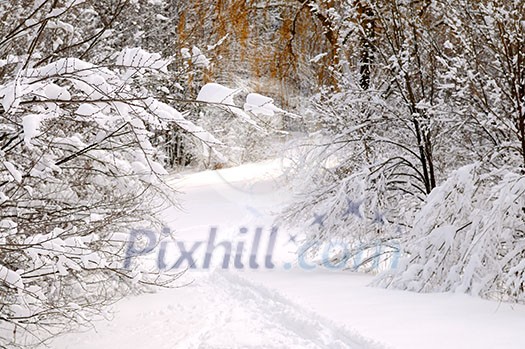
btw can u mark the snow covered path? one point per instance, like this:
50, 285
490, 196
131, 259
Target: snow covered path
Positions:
281, 308
219, 310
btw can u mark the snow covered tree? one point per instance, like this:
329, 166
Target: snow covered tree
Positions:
442, 88
77, 165
487, 73
468, 236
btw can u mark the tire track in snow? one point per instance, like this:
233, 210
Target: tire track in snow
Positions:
248, 315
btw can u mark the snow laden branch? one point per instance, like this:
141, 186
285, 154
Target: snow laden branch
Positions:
248, 123
77, 171
468, 237
426, 91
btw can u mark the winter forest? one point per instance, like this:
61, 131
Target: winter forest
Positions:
398, 125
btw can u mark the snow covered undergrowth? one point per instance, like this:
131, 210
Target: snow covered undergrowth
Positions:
281, 308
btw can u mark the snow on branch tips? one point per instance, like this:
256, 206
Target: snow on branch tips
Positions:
78, 166
138, 58
255, 104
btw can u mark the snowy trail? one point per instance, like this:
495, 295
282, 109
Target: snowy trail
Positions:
281, 308
218, 310
252, 316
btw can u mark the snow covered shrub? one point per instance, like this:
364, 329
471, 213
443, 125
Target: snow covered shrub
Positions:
77, 169
468, 237
422, 91
342, 199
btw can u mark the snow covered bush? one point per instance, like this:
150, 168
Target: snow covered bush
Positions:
83, 127
468, 237
483, 76
78, 171
77, 168
422, 90
351, 187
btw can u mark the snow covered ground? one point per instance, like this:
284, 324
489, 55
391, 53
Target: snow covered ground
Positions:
283, 307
